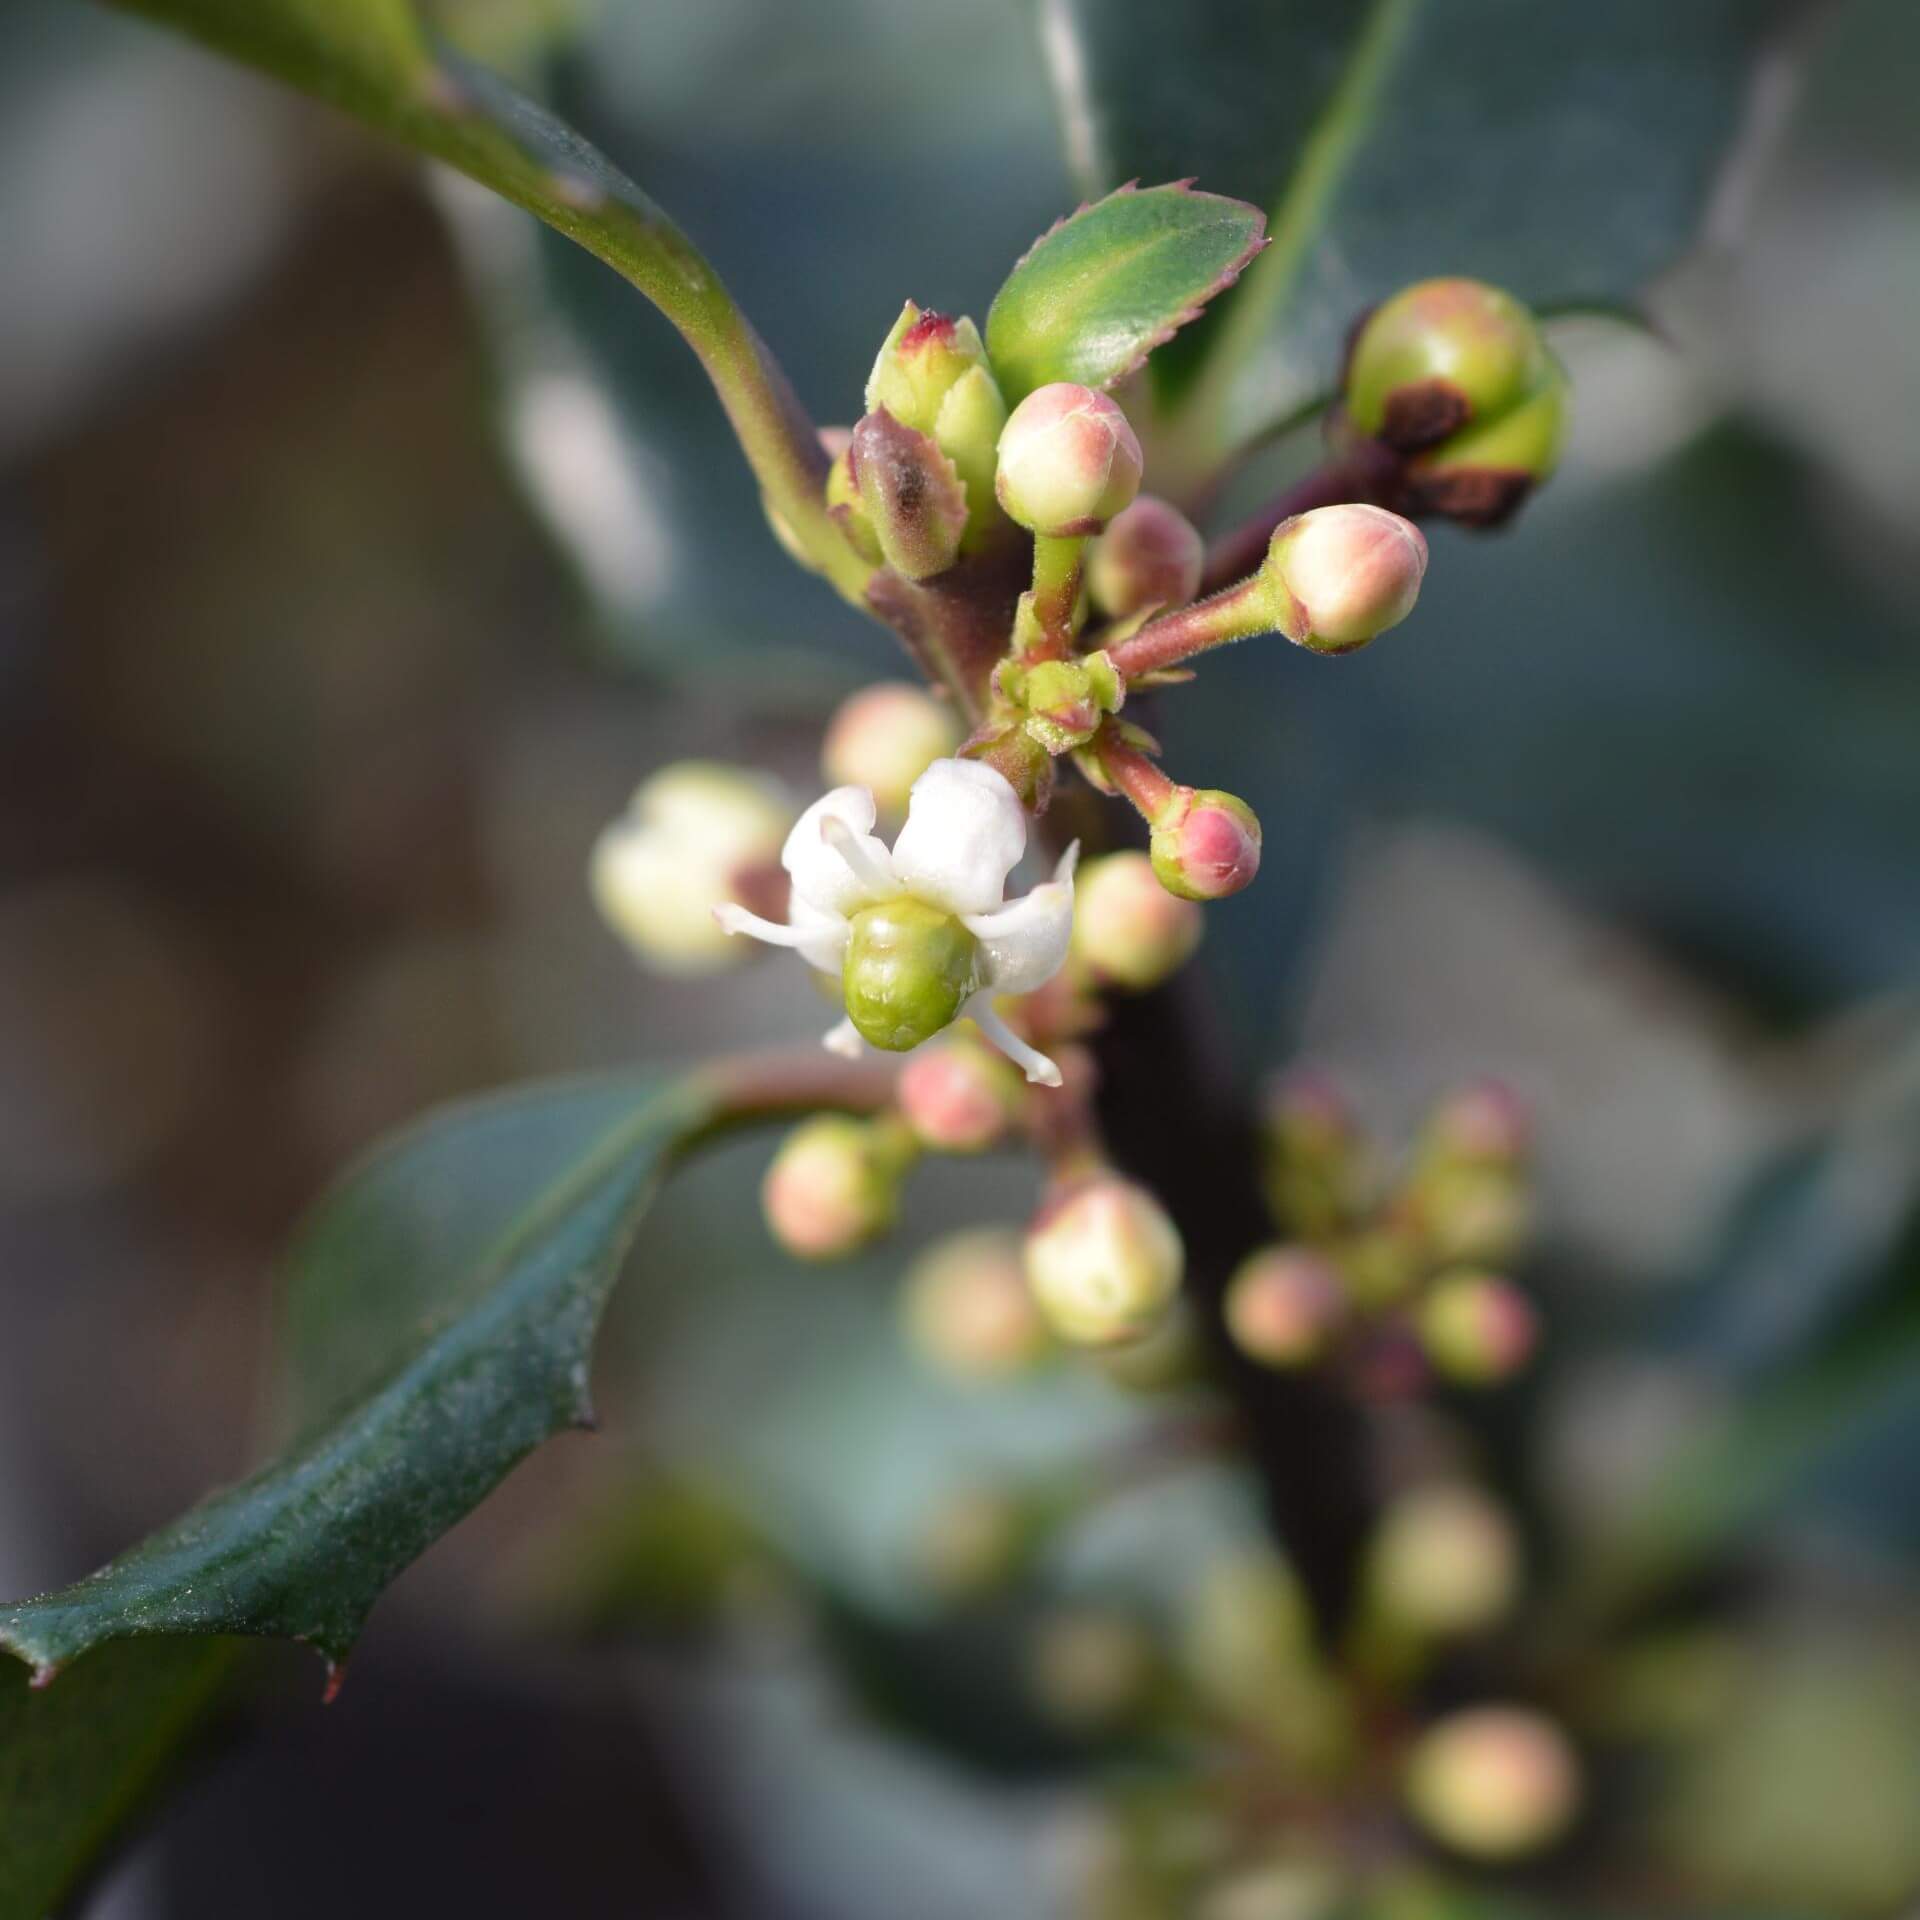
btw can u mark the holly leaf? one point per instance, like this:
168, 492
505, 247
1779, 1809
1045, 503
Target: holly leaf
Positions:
441, 1308
1567, 153
76, 1763
1094, 295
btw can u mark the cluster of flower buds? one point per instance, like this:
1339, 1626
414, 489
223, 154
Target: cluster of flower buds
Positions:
1452, 380
1392, 1272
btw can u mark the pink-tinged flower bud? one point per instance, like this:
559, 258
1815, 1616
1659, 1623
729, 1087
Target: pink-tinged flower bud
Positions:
974, 1543
1127, 927
1069, 461
1150, 556
912, 494
833, 1186
1445, 1561
1468, 1212
922, 359
959, 1096
1092, 1668
1484, 1123
1477, 1328
1285, 1306
884, 738
969, 1311
1341, 576
1206, 844
1104, 1262
1494, 1783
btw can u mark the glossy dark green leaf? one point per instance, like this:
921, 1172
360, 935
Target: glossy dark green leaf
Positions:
1564, 151
77, 1761
441, 1312
1094, 295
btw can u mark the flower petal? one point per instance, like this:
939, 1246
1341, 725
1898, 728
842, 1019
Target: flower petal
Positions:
1023, 945
965, 831
823, 935
1030, 1060
820, 873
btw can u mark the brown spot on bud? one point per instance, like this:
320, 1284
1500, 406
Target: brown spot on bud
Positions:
1473, 496
1423, 413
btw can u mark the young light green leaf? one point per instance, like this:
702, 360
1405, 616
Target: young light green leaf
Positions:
1098, 292
441, 1312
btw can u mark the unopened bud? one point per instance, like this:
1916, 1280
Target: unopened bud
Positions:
1494, 1783
912, 495
960, 1096
1285, 1306
969, 1311
884, 738
1341, 576
1247, 1624
1483, 1123
689, 836
1127, 927
1457, 375
974, 1543
1205, 844
1151, 555
1316, 1156
1092, 1667
1478, 1328
833, 1186
1069, 461
1467, 1211
920, 362
908, 969
1104, 1261
1444, 1561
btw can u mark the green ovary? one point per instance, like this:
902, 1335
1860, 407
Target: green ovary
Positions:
909, 968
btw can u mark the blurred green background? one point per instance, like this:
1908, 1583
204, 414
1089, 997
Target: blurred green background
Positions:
361, 545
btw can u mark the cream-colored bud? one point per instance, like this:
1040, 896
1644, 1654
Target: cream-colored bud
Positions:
1445, 1560
1104, 1261
1494, 1783
833, 1186
658, 871
959, 1096
1150, 556
1127, 927
884, 738
1478, 1328
1285, 1306
1343, 575
1069, 461
968, 1310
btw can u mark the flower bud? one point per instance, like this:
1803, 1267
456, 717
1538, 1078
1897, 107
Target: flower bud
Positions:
1341, 576
1068, 461
920, 362
1468, 1212
1091, 1667
1477, 1328
1127, 927
1151, 555
1457, 375
974, 1543
1104, 1261
1284, 1306
968, 1309
1444, 1561
884, 738
908, 968
1494, 1783
689, 835
1247, 1623
959, 1096
912, 495
1483, 1124
1205, 844
1316, 1156
833, 1186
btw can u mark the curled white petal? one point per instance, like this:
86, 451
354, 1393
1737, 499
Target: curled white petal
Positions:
1023, 944
965, 833
1030, 1060
819, 938
844, 1040
819, 869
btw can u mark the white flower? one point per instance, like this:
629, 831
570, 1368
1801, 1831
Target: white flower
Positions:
922, 935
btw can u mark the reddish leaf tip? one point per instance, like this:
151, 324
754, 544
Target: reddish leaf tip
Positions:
44, 1676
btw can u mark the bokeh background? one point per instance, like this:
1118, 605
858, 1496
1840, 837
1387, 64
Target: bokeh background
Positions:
361, 546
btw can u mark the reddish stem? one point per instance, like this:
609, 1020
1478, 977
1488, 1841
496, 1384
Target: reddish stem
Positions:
1134, 774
